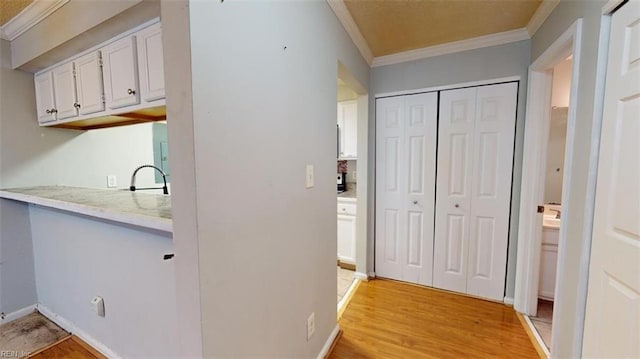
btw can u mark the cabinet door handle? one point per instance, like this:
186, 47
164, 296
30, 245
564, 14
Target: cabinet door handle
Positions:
48, 111
457, 205
415, 202
76, 105
131, 92
53, 110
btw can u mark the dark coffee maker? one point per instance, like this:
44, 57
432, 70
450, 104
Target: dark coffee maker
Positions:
342, 182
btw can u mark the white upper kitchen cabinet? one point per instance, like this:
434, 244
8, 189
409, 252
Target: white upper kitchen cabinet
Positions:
44, 97
120, 73
64, 89
348, 129
150, 62
89, 83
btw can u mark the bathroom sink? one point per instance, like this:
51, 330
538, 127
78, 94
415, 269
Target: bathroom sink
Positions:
550, 221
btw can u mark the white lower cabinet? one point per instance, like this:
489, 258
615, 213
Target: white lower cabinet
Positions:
347, 232
548, 263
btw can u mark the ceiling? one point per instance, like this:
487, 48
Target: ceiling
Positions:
392, 26
11, 8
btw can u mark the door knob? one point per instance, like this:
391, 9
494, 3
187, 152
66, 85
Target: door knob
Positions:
457, 205
48, 111
131, 92
415, 202
76, 105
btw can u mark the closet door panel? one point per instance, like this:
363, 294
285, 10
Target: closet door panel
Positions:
405, 172
391, 206
420, 140
491, 189
453, 197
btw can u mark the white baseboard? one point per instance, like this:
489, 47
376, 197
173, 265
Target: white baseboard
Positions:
17, 314
327, 345
73, 329
371, 275
508, 301
361, 276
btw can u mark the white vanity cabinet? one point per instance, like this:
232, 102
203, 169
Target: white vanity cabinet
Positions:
347, 231
150, 63
348, 129
120, 73
548, 263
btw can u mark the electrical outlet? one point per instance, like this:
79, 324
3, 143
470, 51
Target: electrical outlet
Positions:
112, 181
311, 325
97, 304
310, 176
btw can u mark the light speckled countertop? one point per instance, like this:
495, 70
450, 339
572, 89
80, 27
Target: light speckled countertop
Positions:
135, 208
350, 192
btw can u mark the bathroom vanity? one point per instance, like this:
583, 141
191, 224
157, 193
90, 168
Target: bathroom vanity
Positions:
549, 252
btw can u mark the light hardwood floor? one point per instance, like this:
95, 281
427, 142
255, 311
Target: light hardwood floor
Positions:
70, 348
388, 319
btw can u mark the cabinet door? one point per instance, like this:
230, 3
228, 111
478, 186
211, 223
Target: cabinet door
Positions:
64, 85
347, 239
89, 83
45, 101
548, 264
348, 122
150, 61
121, 73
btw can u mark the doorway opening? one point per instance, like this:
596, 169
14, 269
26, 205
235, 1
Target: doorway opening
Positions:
545, 193
351, 164
552, 212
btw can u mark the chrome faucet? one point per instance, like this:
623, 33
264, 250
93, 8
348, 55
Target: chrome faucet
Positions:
133, 188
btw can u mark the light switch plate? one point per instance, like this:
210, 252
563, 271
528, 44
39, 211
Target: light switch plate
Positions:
309, 176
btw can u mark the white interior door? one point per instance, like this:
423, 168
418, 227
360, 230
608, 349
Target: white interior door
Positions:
475, 156
406, 129
612, 323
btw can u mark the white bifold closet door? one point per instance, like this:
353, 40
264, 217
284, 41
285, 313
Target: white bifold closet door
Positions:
475, 156
406, 129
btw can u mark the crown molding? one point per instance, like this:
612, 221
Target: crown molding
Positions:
542, 13
29, 17
453, 47
344, 16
